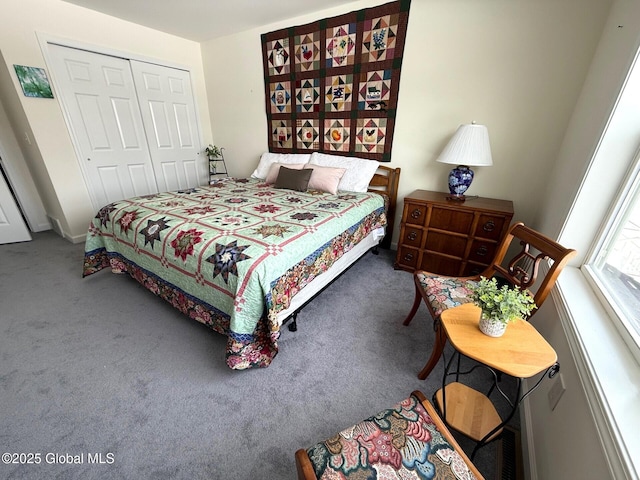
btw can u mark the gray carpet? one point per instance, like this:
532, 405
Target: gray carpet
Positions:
101, 366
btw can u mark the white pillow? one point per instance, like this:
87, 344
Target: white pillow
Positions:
325, 179
262, 170
359, 170
274, 169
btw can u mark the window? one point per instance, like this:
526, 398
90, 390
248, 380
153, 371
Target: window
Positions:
614, 265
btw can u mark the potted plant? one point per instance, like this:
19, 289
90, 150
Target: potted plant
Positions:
213, 152
500, 305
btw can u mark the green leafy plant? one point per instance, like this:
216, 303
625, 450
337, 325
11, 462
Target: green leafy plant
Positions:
503, 304
213, 151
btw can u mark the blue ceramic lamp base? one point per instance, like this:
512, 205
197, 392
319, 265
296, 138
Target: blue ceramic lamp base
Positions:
460, 179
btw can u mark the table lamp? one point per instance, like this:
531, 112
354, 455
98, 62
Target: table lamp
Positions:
469, 146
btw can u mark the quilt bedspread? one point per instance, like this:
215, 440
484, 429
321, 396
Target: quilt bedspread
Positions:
231, 255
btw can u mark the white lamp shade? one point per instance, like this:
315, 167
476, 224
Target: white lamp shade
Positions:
469, 146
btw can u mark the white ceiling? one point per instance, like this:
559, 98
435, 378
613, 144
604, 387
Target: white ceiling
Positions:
202, 20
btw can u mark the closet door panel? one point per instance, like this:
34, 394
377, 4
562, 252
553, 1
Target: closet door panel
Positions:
168, 111
111, 182
126, 124
185, 129
99, 98
191, 172
160, 133
170, 175
12, 226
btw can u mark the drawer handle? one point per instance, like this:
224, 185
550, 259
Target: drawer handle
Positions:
482, 251
416, 213
412, 236
408, 257
490, 226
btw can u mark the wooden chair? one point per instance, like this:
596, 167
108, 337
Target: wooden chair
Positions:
441, 292
410, 440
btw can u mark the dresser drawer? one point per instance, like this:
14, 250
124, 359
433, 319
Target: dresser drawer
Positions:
441, 265
490, 226
411, 236
473, 269
407, 257
415, 214
451, 220
447, 244
482, 251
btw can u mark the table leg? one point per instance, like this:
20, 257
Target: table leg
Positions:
436, 352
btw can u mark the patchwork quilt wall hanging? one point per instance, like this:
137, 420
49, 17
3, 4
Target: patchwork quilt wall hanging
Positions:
332, 85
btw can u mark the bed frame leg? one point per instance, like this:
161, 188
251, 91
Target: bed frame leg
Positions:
375, 250
293, 326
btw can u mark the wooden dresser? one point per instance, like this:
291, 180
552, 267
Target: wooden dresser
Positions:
450, 237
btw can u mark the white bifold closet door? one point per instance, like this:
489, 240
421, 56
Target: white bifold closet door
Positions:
133, 123
12, 226
169, 117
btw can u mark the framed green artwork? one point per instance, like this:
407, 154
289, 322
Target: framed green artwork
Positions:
34, 81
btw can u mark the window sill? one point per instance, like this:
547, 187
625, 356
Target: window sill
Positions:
608, 371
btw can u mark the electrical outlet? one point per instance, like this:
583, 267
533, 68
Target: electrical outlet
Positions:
556, 391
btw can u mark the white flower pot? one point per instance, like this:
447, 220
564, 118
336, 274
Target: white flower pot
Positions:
492, 328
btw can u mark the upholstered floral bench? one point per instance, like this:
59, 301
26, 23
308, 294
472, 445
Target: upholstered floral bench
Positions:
408, 441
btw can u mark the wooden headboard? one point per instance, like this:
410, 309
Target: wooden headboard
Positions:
385, 181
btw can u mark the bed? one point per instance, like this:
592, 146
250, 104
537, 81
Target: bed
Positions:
244, 255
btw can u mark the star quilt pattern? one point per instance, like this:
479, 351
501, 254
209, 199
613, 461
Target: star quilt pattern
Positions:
231, 255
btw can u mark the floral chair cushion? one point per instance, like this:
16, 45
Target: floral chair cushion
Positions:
445, 292
402, 442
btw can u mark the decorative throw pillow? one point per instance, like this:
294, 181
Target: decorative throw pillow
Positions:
359, 172
325, 179
293, 179
269, 158
275, 168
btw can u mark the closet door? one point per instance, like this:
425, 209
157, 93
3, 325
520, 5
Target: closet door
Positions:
12, 226
168, 113
99, 97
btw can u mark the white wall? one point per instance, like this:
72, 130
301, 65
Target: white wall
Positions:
515, 66
50, 154
561, 443
20, 177
585, 418
602, 93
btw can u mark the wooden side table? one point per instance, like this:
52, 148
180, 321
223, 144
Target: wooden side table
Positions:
521, 353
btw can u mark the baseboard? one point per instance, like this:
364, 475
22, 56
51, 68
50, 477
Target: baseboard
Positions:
526, 437
56, 226
41, 227
76, 239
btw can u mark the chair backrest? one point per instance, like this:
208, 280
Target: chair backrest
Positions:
523, 268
